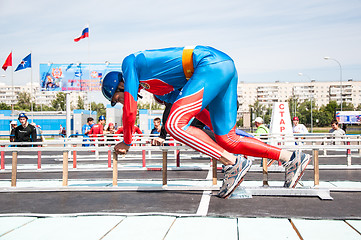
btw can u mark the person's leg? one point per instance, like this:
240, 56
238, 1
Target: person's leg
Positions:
223, 119
223, 115
206, 83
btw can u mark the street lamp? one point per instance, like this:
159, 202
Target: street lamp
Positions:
302, 74
328, 58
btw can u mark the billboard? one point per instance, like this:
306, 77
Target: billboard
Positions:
74, 76
349, 117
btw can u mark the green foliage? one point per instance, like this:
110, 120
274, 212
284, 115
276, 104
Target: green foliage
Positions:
239, 123
23, 103
324, 118
80, 103
155, 106
358, 108
260, 110
321, 116
59, 103
4, 106
100, 108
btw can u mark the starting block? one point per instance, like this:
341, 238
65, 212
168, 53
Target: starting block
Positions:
248, 192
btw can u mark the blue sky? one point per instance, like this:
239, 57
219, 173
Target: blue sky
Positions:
268, 40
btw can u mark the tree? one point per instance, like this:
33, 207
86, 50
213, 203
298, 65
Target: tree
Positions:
294, 105
324, 118
4, 106
23, 103
59, 103
347, 106
239, 123
257, 109
358, 108
99, 108
268, 115
80, 104
155, 106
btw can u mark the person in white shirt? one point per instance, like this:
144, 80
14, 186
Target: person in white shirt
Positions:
337, 131
298, 128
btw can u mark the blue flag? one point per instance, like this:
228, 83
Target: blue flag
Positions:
25, 63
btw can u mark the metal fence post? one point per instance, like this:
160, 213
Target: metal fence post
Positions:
214, 171
348, 154
164, 169
316, 168
115, 169
14, 169
265, 172
65, 168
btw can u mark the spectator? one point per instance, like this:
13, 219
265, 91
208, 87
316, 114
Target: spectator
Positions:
97, 129
344, 127
13, 125
61, 129
25, 132
157, 127
261, 128
136, 129
86, 129
156, 130
38, 132
110, 130
337, 132
297, 127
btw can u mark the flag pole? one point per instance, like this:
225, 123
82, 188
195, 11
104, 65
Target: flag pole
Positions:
90, 104
31, 91
12, 86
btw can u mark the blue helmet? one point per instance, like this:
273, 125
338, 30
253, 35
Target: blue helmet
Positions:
22, 115
110, 84
101, 117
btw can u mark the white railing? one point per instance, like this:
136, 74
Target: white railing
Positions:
104, 144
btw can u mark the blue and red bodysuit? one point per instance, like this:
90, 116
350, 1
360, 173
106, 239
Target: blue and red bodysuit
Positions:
213, 83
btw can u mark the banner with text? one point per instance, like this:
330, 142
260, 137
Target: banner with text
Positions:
348, 117
281, 126
74, 76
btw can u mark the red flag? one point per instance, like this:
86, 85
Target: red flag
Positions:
8, 62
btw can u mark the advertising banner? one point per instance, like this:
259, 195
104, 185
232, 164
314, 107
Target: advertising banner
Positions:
349, 117
74, 76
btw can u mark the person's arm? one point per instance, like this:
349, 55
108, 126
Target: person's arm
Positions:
131, 87
12, 135
16, 133
33, 134
305, 130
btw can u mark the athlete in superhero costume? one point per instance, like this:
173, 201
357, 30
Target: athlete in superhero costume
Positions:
191, 79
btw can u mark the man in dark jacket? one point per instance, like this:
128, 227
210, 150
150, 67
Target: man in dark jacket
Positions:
25, 132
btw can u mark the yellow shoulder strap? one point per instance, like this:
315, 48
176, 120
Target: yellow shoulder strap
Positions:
187, 61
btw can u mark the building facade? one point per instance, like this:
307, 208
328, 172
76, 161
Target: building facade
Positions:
8, 95
320, 92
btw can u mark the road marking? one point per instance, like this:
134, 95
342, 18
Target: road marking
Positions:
206, 197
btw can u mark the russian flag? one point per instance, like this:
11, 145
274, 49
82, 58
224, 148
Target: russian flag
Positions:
84, 34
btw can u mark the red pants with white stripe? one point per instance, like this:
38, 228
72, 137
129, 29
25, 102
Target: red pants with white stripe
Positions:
213, 85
